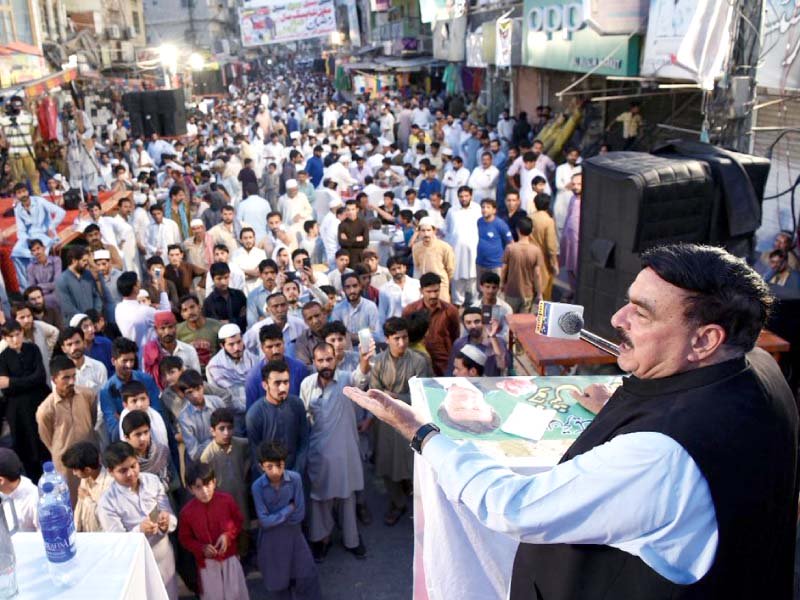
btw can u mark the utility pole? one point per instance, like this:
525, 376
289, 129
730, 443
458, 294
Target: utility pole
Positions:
729, 120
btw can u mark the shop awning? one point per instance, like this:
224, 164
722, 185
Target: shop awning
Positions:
20, 48
405, 65
44, 84
368, 65
367, 49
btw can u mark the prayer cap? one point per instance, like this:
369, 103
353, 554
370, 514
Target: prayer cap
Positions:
475, 354
75, 321
228, 330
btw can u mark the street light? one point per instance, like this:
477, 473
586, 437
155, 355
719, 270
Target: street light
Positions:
168, 55
196, 61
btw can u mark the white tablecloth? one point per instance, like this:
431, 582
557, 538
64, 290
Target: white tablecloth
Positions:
111, 566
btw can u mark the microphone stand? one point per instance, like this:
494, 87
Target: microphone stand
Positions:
599, 342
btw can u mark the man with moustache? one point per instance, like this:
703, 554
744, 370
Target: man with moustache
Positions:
355, 311
461, 232
400, 291
167, 344
484, 337
314, 318
76, 289
273, 348
655, 498
278, 417
228, 369
89, 372
197, 330
67, 416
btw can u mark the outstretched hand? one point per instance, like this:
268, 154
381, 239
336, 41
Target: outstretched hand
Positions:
395, 413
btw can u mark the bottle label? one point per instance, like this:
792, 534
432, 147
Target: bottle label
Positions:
59, 540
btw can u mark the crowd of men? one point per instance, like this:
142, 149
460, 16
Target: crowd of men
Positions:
200, 332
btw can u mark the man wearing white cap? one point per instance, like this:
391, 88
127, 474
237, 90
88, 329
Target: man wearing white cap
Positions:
295, 208
387, 122
329, 228
228, 369
107, 276
340, 173
469, 362
483, 337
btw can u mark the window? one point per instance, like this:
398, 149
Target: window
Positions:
22, 21
6, 22
137, 27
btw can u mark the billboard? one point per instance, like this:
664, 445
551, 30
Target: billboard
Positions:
278, 21
779, 66
687, 39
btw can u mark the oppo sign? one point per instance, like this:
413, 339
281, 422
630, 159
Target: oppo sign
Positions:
551, 18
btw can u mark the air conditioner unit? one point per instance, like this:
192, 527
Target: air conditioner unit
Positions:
127, 53
113, 32
105, 56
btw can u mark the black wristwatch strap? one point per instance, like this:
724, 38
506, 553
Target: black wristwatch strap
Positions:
419, 437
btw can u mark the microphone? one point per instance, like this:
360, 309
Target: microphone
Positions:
559, 320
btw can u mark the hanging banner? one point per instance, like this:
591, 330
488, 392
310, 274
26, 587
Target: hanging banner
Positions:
779, 67
687, 39
379, 5
474, 50
278, 21
504, 29
431, 11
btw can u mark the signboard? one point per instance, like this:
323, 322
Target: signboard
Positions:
616, 17
556, 36
499, 414
687, 39
474, 50
278, 21
779, 66
379, 5
431, 11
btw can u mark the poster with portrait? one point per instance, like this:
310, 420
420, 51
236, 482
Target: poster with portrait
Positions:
272, 22
521, 421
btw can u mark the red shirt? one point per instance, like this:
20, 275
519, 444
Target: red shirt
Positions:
444, 329
201, 524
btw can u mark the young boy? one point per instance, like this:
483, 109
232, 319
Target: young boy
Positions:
83, 459
195, 417
135, 397
153, 457
18, 488
284, 557
229, 456
137, 502
208, 527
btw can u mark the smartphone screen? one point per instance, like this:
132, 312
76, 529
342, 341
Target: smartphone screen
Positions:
307, 263
486, 313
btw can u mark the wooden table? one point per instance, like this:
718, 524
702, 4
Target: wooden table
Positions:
545, 351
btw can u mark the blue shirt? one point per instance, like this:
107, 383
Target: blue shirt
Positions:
253, 390
640, 493
111, 401
492, 240
315, 169
272, 506
428, 187
285, 423
101, 350
256, 304
363, 315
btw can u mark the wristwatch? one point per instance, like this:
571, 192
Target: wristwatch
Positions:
419, 437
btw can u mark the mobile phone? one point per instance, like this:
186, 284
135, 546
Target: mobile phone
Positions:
157, 273
154, 514
307, 263
364, 338
486, 313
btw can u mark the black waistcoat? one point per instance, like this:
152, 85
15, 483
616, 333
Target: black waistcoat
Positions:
738, 421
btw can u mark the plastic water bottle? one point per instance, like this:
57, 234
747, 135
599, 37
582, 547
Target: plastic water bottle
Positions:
58, 531
51, 475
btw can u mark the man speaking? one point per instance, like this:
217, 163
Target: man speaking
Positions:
684, 485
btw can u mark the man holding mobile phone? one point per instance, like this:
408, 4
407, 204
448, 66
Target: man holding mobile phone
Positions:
484, 336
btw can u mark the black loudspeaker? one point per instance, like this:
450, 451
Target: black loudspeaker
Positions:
740, 181
151, 118
632, 201
172, 111
132, 104
207, 82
